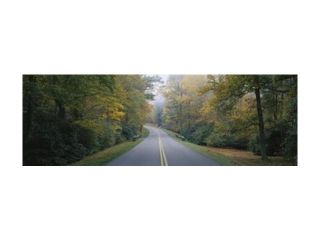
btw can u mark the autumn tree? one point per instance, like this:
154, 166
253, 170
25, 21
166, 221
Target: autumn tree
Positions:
69, 116
255, 112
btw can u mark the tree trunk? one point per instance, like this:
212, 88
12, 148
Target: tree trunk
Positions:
29, 108
180, 109
261, 122
180, 118
276, 109
274, 99
61, 110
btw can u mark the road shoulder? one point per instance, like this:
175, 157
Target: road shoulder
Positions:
107, 155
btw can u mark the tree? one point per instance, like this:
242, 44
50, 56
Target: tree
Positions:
260, 118
69, 116
255, 112
183, 103
229, 90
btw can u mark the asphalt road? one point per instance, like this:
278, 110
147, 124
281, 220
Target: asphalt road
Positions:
159, 149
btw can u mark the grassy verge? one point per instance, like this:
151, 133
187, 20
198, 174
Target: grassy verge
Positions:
145, 132
108, 154
232, 157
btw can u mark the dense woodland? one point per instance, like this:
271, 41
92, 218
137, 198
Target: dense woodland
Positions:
252, 112
66, 117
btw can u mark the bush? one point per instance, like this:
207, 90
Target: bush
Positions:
216, 139
274, 141
290, 146
186, 133
200, 134
129, 131
107, 138
53, 142
88, 139
274, 138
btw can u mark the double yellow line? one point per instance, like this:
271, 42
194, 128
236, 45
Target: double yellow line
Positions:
163, 159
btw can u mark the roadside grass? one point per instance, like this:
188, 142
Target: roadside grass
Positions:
145, 132
108, 154
232, 157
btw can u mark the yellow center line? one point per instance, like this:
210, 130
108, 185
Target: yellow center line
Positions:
160, 150
163, 158
164, 155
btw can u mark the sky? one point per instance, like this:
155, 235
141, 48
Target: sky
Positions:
159, 99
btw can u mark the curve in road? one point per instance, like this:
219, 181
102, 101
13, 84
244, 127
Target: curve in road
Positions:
159, 149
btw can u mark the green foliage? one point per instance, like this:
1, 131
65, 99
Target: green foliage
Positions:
199, 133
222, 111
66, 117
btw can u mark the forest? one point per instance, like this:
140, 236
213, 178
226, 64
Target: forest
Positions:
250, 112
66, 117
69, 117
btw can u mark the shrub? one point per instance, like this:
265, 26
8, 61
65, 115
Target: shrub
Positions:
290, 145
130, 130
216, 139
200, 134
274, 139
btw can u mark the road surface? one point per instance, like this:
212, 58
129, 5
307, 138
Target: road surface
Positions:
159, 149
